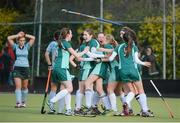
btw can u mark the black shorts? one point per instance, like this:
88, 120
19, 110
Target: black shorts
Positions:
21, 72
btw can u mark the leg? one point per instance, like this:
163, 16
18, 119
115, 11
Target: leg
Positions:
61, 102
24, 92
79, 95
88, 86
18, 92
51, 95
112, 96
142, 96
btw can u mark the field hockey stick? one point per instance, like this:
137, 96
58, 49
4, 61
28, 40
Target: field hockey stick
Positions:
166, 104
46, 91
92, 17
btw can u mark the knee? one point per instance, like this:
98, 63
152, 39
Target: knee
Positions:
109, 91
81, 90
70, 89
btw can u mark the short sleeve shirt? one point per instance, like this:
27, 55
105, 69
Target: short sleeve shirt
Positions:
21, 55
62, 60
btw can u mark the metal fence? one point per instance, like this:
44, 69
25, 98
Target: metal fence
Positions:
48, 17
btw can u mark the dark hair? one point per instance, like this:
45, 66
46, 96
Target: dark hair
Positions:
149, 48
129, 37
63, 33
81, 39
57, 34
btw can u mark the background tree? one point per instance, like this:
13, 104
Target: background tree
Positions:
151, 33
6, 16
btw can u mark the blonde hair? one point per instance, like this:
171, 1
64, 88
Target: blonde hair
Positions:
110, 39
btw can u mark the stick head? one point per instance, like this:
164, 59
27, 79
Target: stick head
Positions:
64, 10
43, 112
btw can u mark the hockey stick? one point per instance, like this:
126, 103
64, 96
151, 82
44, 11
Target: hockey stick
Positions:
166, 104
93, 17
46, 91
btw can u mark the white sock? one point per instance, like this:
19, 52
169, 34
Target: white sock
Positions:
106, 102
123, 98
59, 95
95, 99
68, 101
79, 97
143, 102
129, 98
88, 95
61, 104
112, 98
24, 95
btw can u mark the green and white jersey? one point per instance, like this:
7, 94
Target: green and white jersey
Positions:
113, 63
62, 59
88, 64
81, 48
126, 62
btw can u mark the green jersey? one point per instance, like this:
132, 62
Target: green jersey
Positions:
62, 59
81, 48
126, 61
114, 63
91, 43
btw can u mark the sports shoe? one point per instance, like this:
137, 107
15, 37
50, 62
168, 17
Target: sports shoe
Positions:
140, 114
96, 111
111, 113
60, 113
106, 112
69, 113
131, 113
18, 105
147, 114
116, 113
88, 113
51, 112
51, 107
78, 112
23, 105
125, 109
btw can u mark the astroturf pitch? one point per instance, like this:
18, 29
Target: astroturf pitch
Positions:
32, 113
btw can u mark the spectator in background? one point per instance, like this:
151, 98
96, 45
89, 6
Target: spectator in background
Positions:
7, 58
153, 71
11, 55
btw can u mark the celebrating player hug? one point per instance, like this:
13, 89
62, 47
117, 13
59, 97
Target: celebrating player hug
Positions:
105, 66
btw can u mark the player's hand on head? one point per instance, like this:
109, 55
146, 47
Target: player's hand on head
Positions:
21, 34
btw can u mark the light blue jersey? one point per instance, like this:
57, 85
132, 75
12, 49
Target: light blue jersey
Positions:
53, 50
21, 55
